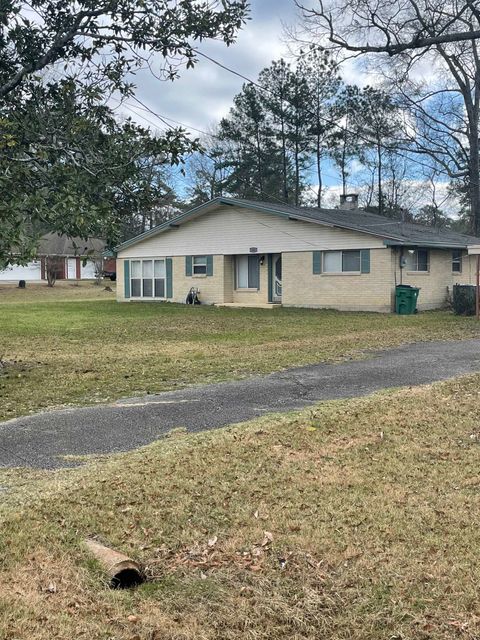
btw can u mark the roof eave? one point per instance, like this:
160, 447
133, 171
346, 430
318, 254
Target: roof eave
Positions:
388, 239
169, 224
427, 245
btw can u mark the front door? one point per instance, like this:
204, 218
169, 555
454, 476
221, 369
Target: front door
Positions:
277, 277
72, 268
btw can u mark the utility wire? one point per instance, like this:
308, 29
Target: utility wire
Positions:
163, 118
323, 118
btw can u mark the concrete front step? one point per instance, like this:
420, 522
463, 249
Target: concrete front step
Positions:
240, 305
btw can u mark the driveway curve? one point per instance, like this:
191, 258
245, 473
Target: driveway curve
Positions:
41, 440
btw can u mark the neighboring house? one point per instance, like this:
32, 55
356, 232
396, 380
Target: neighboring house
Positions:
241, 252
69, 254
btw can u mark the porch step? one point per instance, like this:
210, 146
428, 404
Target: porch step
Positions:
240, 305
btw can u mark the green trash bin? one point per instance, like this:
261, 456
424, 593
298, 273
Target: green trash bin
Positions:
406, 299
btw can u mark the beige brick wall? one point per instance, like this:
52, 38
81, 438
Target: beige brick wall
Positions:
211, 288
214, 289
438, 282
364, 292
228, 279
469, 270
120, 281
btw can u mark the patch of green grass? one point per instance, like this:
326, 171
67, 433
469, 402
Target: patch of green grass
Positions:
62, 351
352, 520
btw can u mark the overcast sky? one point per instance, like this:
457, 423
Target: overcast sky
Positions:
204, 94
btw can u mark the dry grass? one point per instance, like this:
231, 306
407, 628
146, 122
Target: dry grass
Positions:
62, 291
371, 509
58, 350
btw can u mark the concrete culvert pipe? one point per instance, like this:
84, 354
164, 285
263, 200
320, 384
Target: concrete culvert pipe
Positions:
122, 571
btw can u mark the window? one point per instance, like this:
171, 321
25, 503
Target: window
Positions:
341, 262
136, 278
417, 260
199, 265
247, 272
457, 261
147, 278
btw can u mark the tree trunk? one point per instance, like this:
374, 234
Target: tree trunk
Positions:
474, 194
344, 160
297, 168
259, 162
319, 172
380, 193
284, 154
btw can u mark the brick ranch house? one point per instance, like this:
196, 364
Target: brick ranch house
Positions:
248, 253
72, 259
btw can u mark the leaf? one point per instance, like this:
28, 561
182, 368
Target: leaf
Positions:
213, 541
267, 538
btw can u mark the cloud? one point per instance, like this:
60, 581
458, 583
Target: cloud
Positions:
201, 96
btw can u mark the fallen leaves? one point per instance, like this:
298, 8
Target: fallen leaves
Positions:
210, 556
212, 541
267, 538
51, 588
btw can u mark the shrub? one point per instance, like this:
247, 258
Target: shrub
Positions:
463, 301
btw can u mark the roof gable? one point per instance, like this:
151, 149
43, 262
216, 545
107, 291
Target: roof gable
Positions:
394, 232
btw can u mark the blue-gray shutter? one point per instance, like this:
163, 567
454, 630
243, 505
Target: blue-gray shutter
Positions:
253, 272
169, 269
209, 265
317, 262
126, 276
365, 260
188, 265
270, 277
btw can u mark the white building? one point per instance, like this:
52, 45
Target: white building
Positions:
73, 259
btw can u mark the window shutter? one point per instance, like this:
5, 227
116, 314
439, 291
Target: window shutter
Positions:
365, 260
317, 262
126, 277
188, 265
209, 265
270, 277
169, 269
253, 272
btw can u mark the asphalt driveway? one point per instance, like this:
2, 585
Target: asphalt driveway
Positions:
41, 440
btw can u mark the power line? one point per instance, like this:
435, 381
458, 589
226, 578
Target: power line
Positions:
164, 119
323, 118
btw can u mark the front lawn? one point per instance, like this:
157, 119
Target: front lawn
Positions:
354, 520
60, 347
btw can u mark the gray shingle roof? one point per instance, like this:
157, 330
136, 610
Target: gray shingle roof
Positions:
393, 232
359, 220
53, 244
